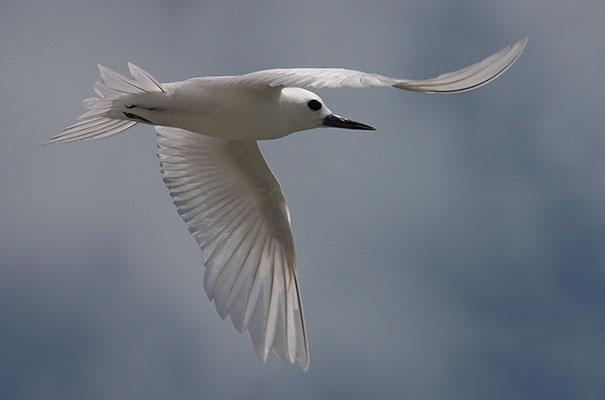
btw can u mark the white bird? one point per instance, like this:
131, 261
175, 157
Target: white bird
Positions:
207, 130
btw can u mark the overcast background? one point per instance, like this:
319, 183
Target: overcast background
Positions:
456, 253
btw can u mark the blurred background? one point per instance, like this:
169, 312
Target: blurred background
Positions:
458, 252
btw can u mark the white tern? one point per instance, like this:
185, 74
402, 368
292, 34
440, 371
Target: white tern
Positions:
207, 130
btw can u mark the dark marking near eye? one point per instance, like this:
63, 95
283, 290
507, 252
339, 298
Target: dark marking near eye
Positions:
314, 105
129, 107
134, 116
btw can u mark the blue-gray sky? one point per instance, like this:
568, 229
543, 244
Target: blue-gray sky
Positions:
458, 252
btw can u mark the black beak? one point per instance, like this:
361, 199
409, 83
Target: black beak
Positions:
337, 121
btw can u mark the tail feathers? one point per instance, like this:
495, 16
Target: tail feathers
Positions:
106, 116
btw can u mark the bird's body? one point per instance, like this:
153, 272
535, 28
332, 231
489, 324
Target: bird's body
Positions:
223, 189
231, 112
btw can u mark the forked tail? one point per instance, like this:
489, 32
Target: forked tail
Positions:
111, 113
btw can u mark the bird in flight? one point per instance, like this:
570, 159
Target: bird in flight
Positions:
207, 131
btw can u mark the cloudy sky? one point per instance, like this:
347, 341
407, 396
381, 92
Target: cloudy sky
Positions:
456, 253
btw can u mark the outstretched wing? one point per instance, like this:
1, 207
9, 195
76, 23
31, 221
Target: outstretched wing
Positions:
235, 208
467, 78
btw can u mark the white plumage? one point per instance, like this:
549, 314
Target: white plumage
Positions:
462, 80
235, 208
207, 130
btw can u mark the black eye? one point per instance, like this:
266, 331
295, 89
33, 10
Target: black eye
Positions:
314, 105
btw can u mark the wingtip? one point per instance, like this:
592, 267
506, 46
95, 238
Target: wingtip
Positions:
522, 43
516, 50
132, 67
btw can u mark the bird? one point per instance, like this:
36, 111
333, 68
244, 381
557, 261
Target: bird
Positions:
207, 131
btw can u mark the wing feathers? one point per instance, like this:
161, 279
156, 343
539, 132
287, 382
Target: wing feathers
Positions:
118, 82
467, 78
243, 271
144, 78
97, 128
470, 77
106, 117
234, 207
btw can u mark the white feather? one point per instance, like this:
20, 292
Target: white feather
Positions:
234, 207
106, 116
467, 78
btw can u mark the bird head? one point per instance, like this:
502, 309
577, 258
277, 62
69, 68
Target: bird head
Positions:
306, 110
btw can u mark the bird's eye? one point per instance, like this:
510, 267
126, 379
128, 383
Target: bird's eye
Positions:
314, 105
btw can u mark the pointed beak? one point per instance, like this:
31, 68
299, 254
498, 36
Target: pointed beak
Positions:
337, 121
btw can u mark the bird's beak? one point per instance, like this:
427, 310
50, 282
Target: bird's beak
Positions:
337, 121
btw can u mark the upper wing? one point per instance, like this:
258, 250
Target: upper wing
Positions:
235, 208
467, 78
